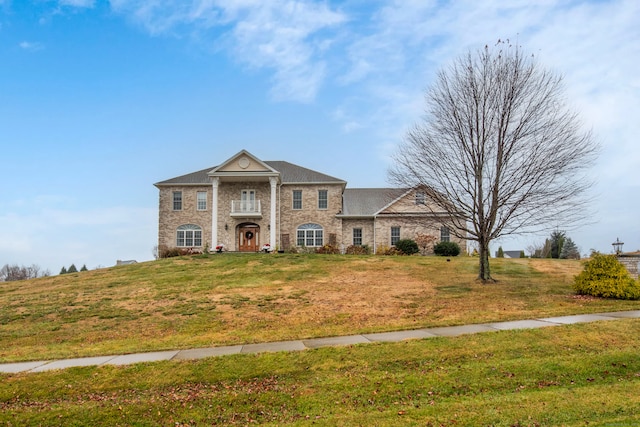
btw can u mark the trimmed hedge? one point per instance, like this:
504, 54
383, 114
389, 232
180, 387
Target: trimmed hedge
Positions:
604, 276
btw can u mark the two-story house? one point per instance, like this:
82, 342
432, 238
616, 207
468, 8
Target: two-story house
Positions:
245, 203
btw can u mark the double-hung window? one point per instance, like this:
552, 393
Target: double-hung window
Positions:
297, 199
421, 198
444, 234
201, 201
177, 200
323, 202
395, 235
357, 237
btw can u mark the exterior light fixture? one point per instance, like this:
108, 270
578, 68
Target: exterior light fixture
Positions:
617, 246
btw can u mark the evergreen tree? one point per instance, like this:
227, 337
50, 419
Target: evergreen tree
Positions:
84, 267
557, 241
569, 250
500, 253
63, 270
72, 269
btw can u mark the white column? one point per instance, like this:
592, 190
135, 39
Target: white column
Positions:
214, 212
272, 233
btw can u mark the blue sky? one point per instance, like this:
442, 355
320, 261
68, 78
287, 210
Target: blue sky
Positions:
100, 99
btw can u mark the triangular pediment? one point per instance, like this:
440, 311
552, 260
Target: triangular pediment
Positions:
243, 163
412, 201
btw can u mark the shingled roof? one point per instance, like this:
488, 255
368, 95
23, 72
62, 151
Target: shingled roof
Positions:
289, 174
194, 178
362, 202
293, 174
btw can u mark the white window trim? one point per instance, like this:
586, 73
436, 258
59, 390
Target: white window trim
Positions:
354, 237
392, 236
326, 199
173, 200
248, 199
198, 200
191, 233
293, 200
445, 234
310, 231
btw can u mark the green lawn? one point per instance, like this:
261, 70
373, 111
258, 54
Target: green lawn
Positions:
585, 374
565, 375
230, 299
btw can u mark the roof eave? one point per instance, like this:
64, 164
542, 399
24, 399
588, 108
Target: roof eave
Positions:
343, 183
181, 184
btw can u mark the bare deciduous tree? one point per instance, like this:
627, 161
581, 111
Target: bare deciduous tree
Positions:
11, 273
499, 149
425, 242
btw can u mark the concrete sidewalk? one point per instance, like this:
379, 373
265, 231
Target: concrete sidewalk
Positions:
199, 353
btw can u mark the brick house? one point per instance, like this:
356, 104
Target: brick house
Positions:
245, 203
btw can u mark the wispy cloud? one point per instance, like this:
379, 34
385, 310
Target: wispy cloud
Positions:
30, 46
286, 36
78, 3
395, 58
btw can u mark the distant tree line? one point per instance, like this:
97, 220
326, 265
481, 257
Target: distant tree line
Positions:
72, 269
11, 273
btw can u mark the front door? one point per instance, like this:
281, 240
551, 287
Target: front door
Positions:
249, 238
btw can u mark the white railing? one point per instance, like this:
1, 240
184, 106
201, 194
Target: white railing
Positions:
245, 207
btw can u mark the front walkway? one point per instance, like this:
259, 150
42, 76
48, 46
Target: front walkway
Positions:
199, 353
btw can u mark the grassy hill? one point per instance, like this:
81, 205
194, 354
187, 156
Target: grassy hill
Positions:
206, 301
566, 375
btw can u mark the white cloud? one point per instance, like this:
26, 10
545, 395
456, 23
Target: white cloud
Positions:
593, 44
31, 46
284, 36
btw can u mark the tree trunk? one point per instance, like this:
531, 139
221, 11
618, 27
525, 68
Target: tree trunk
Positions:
485, 271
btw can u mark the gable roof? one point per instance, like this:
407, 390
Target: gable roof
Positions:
243, 164
289, 174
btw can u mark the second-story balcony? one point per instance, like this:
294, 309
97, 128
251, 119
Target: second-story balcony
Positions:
246, 208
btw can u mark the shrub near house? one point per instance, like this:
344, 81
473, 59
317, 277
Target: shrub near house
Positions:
447, 249
407, 246
604, 276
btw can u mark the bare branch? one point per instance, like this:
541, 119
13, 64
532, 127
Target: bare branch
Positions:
499, 149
